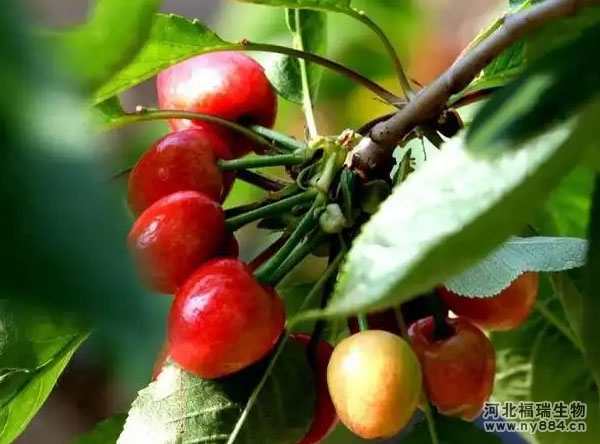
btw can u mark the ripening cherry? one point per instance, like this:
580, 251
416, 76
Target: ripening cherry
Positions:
505, 311
375, 382
325, 418
222, 320
228, 84
174, 236
458, 370
180, 161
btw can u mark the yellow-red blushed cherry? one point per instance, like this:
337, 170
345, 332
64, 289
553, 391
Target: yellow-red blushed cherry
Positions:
174, 236
375, 382
180, 161
227, 84
325, 418
223, 320
458, 370
505, 311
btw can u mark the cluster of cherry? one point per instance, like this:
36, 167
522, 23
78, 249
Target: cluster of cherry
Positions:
223, 319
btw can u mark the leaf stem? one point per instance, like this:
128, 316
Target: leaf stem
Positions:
238, 221
307, 104
266, 271
149, 114
401, 74
429, 417
285, 141
378, 90
264, 161
558, 324
261, 181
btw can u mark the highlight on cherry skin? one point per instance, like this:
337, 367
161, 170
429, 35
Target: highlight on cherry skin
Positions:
222, 320
375, 383
180, 161
505, 311
325, 417
174, 236
458, 370
226, 84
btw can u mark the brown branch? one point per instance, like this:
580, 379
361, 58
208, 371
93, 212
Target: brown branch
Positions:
431, 100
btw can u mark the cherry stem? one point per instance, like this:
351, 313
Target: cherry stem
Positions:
363, 323
149, 114
238, 221
296, 158
277, 138
261, 181
296, 256
268, 272
378, 90
441, 329
429, 416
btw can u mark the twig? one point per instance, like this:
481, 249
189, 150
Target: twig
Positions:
431, 100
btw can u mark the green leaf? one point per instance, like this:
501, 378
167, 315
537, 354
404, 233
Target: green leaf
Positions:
566, 212
33, 389
172, 39
573, 383
590, 313
105, 432
496, 272
538, 99
62, 223
30, 338
99, 48
180, 407
447, 215
450, 431
108, 112
309, 30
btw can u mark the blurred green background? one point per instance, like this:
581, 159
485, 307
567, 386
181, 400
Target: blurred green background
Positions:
428, 35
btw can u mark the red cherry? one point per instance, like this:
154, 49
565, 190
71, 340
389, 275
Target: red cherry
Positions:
325, 418
229, 247
174, 236
225, 84
506, 311
223, 320
458, 371
180, 161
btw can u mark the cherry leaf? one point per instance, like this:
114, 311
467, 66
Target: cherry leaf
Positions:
181, 407
496, 272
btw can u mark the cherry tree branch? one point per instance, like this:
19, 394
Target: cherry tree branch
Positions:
431, 100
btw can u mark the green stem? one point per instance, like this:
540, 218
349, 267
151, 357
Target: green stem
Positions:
327, 274
402, 78
328, 174
295, 257
307, 104
307, 223
239, 221
317, 288
363, 322
261, 181
148, 114
264, 161
558, 324
378, 90
429, 417
283, 140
